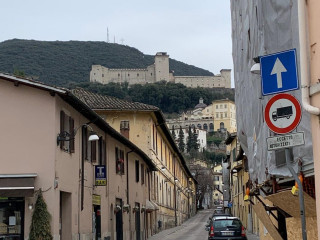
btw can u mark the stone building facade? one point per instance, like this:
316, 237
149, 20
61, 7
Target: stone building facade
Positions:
159, 71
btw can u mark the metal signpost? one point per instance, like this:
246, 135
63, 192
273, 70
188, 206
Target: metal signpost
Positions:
283, 111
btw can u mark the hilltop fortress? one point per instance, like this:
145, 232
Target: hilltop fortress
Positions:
156, 72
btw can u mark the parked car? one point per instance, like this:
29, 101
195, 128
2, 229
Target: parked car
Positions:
225, 227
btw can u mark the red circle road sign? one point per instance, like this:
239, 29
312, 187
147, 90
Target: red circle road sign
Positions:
282, 113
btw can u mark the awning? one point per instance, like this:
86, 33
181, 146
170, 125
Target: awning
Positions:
265, 219
290, 203
151, 206
17, 185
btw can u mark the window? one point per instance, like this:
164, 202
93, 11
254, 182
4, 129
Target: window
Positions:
217, 115
137, 170
118, 74
102, 75
119, 161
89, 149
225, 106
66, 126
225, 114
217, 106
128, 74
142, 174
102, 151
137, 74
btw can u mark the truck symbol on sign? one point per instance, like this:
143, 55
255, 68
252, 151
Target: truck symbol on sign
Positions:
284, 112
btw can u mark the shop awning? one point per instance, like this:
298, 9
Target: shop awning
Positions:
17, 185
290, 203
151, 206
265, 219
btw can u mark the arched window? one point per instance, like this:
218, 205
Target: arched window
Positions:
205, 126
221, 125
211, 127
199, 126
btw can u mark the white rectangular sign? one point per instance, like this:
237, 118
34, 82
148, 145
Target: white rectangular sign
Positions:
285, 141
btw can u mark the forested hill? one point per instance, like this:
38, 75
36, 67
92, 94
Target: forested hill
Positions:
61, 63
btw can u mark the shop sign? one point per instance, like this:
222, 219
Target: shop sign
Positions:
100, 175
96, 199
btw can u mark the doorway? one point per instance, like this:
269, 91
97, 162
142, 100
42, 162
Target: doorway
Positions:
97, 222
65, 216
119, 226
138, 223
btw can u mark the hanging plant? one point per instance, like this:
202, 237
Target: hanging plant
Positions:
40, 228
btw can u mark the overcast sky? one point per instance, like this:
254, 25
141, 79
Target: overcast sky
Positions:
194, 32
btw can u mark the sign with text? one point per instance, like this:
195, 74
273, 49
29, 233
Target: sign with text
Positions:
285, 141
100, 175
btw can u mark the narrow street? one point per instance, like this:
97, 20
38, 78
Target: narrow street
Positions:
192, 229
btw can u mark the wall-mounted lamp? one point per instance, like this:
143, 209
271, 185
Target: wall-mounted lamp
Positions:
176, 179
30, 206
65, 136
163, 168
255, 69
234, 171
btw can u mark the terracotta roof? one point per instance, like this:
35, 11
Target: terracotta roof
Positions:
97, 101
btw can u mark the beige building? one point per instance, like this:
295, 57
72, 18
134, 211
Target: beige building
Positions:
310, 49
217, 194
224, 114
93, 189
159, 71
173, 187
193, 118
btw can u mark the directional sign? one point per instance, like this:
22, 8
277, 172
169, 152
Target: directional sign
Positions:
282, 113
279, 72
285, 141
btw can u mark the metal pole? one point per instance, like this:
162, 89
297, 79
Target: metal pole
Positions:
301, 199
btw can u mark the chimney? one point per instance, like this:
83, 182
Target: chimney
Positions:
125, 128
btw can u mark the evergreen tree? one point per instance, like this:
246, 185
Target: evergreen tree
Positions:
181, 144
189, 140
173, 133
40, 228
195, 145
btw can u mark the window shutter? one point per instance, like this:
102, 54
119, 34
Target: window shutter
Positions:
71, 131
137, 171
117, 161
104, 157
93, 151
62, 115
100, 150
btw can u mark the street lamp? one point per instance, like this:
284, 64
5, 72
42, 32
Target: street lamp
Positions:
66, 136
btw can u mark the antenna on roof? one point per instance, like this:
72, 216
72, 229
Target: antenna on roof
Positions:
122, 40
107, 35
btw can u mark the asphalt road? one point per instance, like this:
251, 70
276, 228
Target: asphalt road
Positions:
192, 229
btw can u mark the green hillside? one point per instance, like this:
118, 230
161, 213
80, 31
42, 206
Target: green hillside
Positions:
61, 63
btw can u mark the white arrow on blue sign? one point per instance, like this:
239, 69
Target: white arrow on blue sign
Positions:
279, 72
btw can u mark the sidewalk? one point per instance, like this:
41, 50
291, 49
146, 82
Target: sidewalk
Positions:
162, 235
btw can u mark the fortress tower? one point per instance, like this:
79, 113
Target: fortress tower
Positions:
161, 64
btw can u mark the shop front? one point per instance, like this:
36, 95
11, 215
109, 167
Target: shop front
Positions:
14, 189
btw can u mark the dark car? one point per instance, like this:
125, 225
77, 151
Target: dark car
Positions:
229, 228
